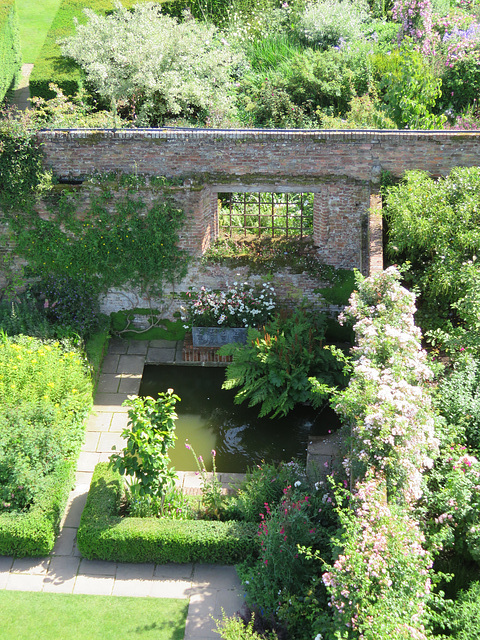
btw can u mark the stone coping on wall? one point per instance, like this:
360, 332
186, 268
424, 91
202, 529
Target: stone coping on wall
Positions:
339, 135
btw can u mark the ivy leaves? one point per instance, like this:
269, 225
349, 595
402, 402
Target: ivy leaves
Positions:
129, 242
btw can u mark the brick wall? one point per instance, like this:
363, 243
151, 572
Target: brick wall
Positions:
290, 288
243, 154
339, 215
342, 169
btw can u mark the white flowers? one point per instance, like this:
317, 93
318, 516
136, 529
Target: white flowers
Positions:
242, 305
386, 399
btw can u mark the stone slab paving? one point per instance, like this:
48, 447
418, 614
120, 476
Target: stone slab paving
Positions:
21, 96
209, 588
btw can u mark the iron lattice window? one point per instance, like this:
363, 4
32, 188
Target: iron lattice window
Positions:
274, 214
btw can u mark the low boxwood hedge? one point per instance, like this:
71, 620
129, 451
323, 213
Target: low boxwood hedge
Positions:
33, 533
105, 535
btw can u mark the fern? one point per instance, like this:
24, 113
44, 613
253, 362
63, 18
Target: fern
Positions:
273, 368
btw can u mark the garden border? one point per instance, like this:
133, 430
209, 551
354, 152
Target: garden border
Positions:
105, 535
34, 532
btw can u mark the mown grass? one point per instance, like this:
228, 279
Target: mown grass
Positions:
35, 19
49, 616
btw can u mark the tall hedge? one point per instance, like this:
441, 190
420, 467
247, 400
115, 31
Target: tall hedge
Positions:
50, 65
10, 52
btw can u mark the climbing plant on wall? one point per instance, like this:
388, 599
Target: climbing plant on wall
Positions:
116, 238
129, 242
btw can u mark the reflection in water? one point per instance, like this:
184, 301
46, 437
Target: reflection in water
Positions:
209, 419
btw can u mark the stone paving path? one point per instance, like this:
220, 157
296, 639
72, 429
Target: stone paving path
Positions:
21, 95
209, 588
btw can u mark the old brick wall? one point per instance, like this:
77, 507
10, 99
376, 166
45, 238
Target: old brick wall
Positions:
339, 219
248, 155
342, 169
291, 289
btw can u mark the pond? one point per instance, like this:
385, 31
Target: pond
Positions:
209, 419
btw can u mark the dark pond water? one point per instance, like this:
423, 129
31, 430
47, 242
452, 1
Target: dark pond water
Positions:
208, 419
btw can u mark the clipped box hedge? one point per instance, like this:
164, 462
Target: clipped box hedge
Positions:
50, 66
10, 53
33, 533
105, 535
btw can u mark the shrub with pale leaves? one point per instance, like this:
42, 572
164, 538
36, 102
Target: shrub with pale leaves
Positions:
330, 22
154, 65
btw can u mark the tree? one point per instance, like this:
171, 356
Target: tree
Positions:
155, 65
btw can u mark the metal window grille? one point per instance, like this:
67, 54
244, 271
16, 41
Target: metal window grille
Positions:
274, 214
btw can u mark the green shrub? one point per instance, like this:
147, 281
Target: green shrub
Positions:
189, 65
409, 88
461, 82
103, 534
263, 483
327, 22
45, 394
265, 103
34, 439
275, 366
235, 628
365, 113
458, 399
75, 112
320, 80
303, 88
10, 54
283, 584
43, 370
21, 170
463, 618
280, 568
33, 533
70, 303
149, 434
434, 225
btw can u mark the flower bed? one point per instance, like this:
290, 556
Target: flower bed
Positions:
105, 535
33, 533
45, 395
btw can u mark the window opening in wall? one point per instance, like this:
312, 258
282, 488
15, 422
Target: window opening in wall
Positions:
264, 213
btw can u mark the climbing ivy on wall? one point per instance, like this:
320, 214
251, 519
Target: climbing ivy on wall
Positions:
115, 239
21, 171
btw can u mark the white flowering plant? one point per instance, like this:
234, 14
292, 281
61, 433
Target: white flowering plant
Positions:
242, 305
387, 402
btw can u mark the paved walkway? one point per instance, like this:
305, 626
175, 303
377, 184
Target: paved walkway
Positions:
21, 95
209, 588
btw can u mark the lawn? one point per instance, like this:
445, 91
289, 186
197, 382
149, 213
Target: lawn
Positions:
48, 616
35, 19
